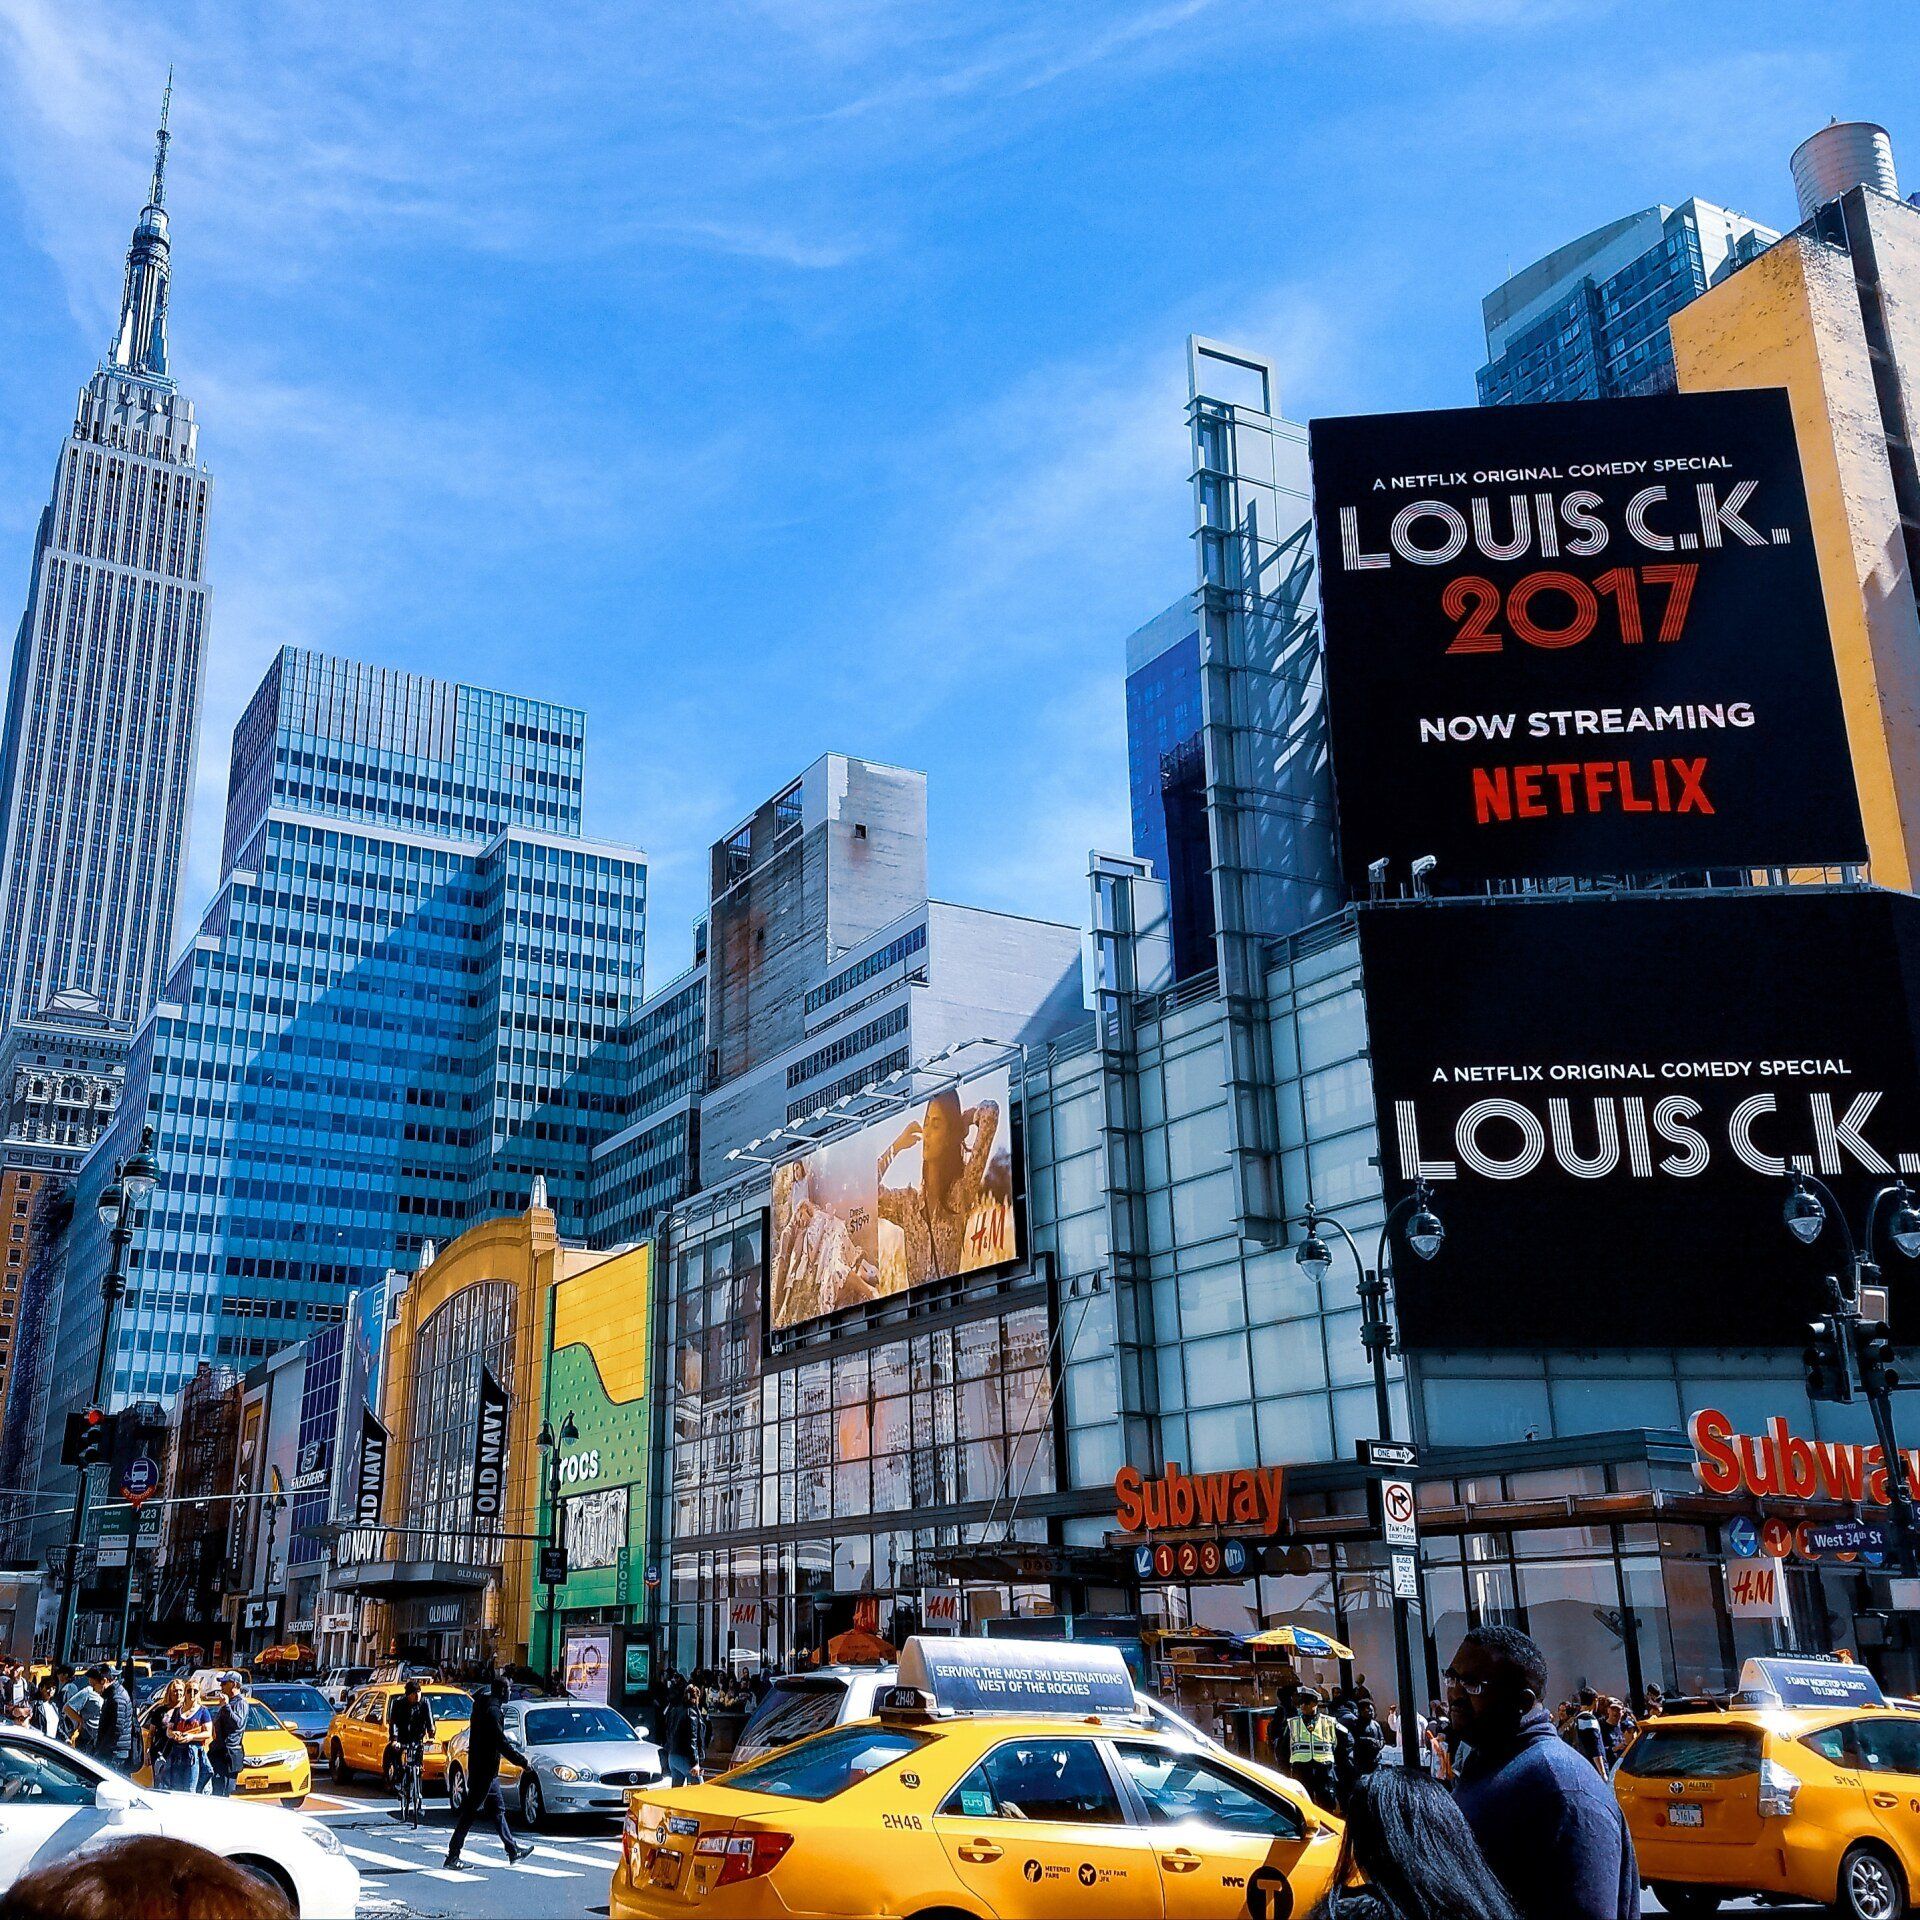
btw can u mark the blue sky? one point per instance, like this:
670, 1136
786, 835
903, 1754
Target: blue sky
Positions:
771, 376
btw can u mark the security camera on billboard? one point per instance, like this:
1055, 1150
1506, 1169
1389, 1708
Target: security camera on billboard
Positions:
1578, 639
924, 1194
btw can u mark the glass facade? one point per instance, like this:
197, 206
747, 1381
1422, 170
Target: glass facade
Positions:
405, 1001
1597, 329
471, 1329
805, 1484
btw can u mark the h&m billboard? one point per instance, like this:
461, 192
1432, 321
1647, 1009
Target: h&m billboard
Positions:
1584, 638
1606, 1093
923, 1194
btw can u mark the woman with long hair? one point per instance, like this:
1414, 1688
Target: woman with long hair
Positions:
1408, 1854
956, 1150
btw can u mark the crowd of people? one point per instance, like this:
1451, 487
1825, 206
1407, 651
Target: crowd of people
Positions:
192, 1745
1509, 1815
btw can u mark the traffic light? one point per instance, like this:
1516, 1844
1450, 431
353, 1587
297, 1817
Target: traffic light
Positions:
85, 1439
1826, 1361
1873, 1343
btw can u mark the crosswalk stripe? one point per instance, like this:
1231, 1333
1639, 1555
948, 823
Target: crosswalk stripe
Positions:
574, 1859
378, 1859
461, 1875
545, 1873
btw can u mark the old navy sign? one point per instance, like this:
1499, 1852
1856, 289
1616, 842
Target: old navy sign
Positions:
490, 1449
1780, 1462
370, 1475
1253, 1497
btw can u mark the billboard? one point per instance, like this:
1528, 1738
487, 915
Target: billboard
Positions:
925, 1193
599, 1365
1583, 638
1605, 1094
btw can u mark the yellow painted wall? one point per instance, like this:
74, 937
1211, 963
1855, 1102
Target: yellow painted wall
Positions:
1792, 319
605, 1309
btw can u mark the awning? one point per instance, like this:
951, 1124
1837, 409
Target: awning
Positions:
411, 1579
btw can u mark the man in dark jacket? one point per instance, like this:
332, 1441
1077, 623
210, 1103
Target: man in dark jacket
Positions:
111, 1735
1547, 1822
487, 1746
228, 1753
409, 1725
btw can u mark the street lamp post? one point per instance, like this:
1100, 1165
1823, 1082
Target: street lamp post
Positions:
556, 1522
133, 1179
1424, 1233
1845, 1339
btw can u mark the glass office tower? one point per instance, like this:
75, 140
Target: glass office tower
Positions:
1589, 321
403, 1003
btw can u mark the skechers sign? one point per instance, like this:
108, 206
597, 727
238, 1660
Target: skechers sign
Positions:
1576, 639
1606, 1093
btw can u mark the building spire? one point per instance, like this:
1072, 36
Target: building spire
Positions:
140, 345
158, 197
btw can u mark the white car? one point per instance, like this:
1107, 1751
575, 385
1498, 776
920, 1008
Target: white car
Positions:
585, 1758
54, 1801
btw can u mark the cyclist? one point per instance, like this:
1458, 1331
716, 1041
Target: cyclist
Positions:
410, 1723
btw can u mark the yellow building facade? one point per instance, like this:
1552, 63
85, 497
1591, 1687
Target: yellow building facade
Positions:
1833, 316
455, 1585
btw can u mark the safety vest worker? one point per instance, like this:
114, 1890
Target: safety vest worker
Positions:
1311, 1743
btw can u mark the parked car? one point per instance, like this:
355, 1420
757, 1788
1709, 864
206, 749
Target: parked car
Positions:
57, 1800
301, 1707
342, 1683
585, 1758
797, 1704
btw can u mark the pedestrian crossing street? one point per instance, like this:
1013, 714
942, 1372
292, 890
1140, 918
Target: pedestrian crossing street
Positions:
419, 1852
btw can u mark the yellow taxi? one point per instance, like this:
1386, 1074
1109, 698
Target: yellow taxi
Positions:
275, 1767
1005, 1780
357, 1735
1808, 1785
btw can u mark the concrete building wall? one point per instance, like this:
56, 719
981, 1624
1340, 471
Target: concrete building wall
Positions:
1792, 319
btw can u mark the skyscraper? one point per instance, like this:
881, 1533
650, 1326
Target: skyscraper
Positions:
97, 754
96, 762
1589, 320
404, 1001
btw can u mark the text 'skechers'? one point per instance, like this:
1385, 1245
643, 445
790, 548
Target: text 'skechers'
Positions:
1578, 639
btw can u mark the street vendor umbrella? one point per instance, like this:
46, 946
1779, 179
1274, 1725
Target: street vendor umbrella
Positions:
858, 1648
184, 1649
1302, 1640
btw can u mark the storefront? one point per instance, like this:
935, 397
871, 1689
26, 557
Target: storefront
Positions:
1607, 1548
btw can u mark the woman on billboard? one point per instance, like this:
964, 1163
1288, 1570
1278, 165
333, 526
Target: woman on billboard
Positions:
958, 1217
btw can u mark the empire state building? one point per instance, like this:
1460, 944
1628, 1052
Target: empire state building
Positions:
97, 757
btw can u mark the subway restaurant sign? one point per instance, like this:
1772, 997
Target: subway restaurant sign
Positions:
1779, 1462
597, 1371
1247, 1499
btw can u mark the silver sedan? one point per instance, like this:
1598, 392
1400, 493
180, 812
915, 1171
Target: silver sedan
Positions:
584, 1758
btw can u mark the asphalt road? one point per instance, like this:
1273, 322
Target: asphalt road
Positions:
402, 1872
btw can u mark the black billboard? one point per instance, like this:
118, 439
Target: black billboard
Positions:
1604, 1094
1578, 639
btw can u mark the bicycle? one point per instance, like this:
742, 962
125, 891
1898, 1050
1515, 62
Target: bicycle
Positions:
413, 1802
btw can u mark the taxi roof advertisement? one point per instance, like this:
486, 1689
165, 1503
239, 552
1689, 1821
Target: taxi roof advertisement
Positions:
1585, 638
1604, 1094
